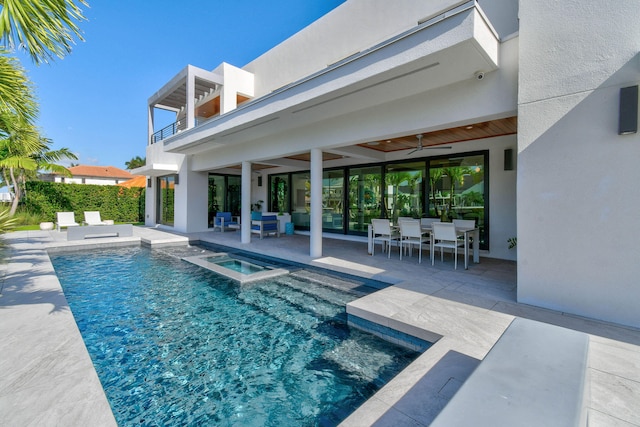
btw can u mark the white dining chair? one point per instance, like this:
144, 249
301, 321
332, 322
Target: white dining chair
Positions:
465, 224
426, 222
383, 232
411, 234
444, 236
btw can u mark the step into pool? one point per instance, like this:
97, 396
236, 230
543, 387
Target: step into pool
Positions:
236, 269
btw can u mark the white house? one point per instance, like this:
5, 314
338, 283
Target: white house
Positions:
504, 111
89, 174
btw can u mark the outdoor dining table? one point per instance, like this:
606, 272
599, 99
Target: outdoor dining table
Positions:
461, 231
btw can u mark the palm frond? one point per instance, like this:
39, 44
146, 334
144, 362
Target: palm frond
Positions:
16, 90
44, 28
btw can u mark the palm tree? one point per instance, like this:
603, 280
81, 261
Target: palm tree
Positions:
16, 91
23, 152
44, 28
135, 162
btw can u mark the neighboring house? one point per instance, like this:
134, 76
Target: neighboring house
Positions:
136, 181
96, 175
517, 104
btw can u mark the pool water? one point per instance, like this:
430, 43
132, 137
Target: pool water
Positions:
175, 344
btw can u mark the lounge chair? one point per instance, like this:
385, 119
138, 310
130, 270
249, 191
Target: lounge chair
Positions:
93, 218
268, 224
66, 219
224, 220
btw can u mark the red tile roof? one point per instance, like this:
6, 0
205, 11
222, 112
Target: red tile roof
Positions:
138, 181
100, 171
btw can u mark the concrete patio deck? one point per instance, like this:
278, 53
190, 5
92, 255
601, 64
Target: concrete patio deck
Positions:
49, 379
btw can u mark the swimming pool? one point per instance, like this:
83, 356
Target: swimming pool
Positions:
175, 344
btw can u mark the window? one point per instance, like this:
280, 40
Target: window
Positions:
365, 197
223, 195
279, 193
301, 200
332, 200
404, 190
457, 190
166, 200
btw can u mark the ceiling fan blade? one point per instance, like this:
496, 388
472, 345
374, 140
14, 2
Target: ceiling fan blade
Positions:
413, 151
438, 148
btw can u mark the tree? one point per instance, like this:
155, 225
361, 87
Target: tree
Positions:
23, 152
44, 28
16, 91
136, 162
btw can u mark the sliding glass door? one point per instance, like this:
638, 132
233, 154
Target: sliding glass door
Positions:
224, 195
404, 197
166, 199
333, 200
365, 197
457, 190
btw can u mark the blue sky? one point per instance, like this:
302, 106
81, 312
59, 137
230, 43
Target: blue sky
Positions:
94, 100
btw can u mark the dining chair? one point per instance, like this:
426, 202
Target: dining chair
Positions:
444, 236
426, 222
383, 232
411, 234
466, 224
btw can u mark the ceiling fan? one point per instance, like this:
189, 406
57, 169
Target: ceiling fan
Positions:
420, 147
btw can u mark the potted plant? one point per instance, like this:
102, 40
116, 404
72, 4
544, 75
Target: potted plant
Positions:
257, 206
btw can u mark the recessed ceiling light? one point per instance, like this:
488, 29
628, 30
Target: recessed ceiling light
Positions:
373, 143
469, 127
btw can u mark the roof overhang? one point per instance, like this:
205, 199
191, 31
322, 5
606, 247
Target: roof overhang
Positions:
448, 48
173, 95
156, 169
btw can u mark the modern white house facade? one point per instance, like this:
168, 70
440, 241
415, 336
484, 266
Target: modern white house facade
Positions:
505, 112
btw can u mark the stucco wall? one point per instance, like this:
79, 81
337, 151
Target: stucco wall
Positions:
351, 27
577, 202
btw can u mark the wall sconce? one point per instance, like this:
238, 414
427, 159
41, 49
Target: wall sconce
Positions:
259, 180
148, 182
628, 115
176, 179
508, 159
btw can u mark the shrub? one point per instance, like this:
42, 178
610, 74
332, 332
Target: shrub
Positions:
117, 203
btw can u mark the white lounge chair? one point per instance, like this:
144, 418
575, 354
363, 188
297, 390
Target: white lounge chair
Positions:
66, 219
93, 218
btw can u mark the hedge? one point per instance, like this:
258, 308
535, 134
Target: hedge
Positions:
117, 203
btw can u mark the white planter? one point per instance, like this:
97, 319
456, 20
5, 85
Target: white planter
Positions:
46, 226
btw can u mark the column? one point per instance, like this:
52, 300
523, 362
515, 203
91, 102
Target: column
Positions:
150, 120
191, 95
245, 219
315, 240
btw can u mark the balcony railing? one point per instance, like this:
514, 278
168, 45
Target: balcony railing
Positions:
168, 131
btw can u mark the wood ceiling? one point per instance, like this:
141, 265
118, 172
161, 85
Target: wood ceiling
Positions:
470, 132
490, 129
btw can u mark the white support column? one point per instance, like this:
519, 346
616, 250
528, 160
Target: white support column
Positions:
150, 125
245, 220
191, 95
315, 240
